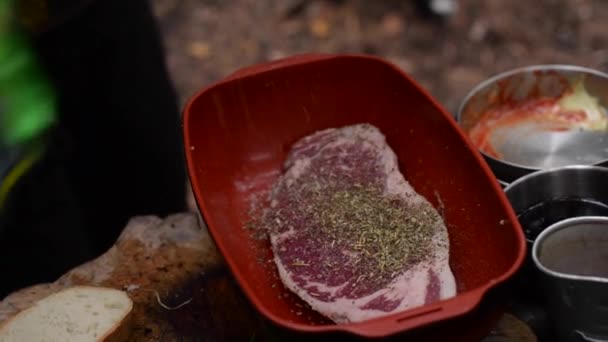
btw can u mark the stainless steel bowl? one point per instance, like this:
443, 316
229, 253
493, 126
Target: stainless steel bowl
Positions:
522, 154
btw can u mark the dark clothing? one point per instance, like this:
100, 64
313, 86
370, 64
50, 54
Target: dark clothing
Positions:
116, 153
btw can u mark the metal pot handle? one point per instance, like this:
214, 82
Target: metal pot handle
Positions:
587, 337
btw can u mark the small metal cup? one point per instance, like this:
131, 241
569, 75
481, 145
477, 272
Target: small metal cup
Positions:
572, 257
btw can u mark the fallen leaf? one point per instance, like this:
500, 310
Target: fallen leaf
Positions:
403, 63
392, 24
319, 28
276, 54
200, 50
478, 30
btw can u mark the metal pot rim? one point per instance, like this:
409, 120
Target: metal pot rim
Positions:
541, 172
519, 70
564, 224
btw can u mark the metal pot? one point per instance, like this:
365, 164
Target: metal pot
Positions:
531, 82
541, 199
545, 197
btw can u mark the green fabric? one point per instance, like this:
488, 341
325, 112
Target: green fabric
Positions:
27, 101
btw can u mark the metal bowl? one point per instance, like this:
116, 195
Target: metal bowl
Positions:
523, 154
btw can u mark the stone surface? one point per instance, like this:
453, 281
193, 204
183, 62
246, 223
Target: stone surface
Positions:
182, 290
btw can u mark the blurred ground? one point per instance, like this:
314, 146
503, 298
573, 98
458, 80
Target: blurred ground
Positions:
208, 39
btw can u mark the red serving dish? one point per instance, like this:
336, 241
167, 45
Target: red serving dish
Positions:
238, 131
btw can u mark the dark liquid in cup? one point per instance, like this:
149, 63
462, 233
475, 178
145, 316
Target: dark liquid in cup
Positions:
540, 216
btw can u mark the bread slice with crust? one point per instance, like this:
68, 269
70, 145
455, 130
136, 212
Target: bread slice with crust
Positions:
79, 314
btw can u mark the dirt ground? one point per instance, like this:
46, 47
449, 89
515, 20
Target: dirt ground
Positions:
208, 39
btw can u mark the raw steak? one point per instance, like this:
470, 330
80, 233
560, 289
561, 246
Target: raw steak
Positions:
350, 236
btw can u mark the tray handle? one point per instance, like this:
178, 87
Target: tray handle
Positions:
433, 313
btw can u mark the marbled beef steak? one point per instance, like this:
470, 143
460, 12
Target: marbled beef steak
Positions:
350, 236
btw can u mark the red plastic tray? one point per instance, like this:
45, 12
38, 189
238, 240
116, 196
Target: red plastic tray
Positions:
237, 133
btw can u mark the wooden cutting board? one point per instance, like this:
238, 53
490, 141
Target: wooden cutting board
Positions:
181, 288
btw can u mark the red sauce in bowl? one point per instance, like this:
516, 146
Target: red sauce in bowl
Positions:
542, 113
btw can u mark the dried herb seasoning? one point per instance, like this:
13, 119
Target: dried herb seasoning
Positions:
382, 235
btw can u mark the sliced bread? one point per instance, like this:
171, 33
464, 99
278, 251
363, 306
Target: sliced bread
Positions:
79, 314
